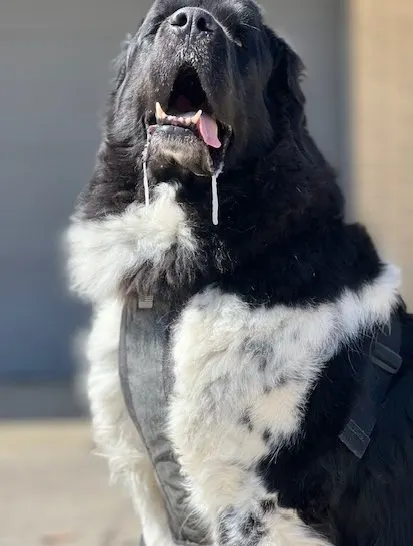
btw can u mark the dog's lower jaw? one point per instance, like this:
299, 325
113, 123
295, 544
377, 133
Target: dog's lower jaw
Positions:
186, 159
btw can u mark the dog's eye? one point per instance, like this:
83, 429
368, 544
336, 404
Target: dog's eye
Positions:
245, 33
240, 36
152, 31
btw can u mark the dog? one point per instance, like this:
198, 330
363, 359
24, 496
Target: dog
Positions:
210, 196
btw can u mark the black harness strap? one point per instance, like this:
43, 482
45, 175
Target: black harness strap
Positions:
381, 364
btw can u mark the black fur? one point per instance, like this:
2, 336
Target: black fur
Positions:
352, 502
282, 238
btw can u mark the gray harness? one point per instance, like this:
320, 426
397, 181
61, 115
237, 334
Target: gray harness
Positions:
147, 380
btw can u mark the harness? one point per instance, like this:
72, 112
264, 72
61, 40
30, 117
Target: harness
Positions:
146, 377
376, 368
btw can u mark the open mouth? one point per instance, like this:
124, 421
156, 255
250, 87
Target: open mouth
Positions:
188, 112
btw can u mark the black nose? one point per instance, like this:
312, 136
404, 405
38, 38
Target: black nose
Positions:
192, 21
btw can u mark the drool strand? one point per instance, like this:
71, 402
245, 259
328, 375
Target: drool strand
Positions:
145, 171
215, 200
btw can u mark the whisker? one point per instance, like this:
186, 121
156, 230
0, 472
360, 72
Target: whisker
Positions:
249, 26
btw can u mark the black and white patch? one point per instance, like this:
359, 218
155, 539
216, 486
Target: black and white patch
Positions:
271, 302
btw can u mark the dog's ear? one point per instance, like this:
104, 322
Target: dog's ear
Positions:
286, 97
120, 63
118, 123
284, 86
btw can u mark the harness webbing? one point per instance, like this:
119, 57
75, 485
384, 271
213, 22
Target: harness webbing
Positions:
376, 370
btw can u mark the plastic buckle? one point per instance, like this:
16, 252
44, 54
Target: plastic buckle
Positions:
145, 302
386, 359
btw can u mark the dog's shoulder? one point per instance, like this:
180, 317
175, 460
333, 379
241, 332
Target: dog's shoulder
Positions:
335, 491
272, 385
222, 343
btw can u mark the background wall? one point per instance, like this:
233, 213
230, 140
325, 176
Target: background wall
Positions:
54, 61
382, 117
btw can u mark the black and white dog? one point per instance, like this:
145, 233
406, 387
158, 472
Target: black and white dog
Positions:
210, 195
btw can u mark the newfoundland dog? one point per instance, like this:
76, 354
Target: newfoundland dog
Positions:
213, 234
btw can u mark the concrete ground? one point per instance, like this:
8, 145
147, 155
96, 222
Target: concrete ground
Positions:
53, 492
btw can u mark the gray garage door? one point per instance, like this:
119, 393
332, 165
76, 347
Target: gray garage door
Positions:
54, 66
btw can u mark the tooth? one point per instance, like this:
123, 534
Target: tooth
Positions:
196, 117
160, 114
181, 120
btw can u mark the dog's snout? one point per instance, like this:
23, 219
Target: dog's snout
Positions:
192, 21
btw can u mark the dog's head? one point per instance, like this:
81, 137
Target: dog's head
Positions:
205, 85
203, 82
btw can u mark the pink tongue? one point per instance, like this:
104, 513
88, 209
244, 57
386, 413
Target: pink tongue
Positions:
209, 131
207, 126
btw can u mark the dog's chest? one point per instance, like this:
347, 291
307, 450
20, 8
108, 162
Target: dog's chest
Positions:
244, 372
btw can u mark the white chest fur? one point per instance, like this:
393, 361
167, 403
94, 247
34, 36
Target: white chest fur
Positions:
243, 375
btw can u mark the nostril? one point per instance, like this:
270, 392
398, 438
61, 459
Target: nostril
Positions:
179, 19
202, 24
205, 23
192, 21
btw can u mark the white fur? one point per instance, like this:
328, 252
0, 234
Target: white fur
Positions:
115, 434
105, 252
102, 254
219, 345
284, 529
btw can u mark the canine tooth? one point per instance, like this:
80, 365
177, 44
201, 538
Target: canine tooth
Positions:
196, 117
160, 114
